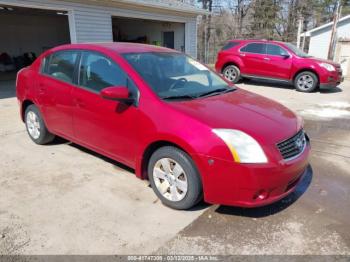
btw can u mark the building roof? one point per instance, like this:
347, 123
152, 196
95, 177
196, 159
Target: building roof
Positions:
171, 5
119, 47
308, 33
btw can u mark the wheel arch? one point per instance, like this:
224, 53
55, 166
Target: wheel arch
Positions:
230, 63
141, 169
307, 70
24, 106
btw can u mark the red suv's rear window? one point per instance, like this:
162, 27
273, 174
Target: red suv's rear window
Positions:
229, 45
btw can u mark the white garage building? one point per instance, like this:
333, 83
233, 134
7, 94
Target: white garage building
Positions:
37, 25
320, 38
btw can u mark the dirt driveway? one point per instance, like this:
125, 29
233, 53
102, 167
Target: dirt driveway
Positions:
314, 219
63, 199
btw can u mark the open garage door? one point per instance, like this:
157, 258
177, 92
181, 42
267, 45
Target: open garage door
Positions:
161, 33
27, 32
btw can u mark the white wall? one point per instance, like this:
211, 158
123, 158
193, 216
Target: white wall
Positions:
131, 29
319, 40
31, 33
191, 37
93, 22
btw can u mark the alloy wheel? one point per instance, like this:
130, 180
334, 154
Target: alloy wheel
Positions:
230, 73
170, 179
305, 82
33, 125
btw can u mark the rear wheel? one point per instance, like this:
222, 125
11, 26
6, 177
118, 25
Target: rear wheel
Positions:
35, 125
174, 178
232, 73
306, 82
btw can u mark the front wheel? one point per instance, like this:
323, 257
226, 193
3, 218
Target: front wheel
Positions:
174, 178
306, 82
232, 73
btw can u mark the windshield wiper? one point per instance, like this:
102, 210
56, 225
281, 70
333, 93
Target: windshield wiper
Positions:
179, 97
216, 92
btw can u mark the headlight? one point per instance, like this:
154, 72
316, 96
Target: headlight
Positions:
329, 67
243, 147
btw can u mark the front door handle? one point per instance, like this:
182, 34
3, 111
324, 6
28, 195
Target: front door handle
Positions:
42, 89
266, 58
79, 103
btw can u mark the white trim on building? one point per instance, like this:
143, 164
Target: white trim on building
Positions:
91, 21
314, 30
320, 36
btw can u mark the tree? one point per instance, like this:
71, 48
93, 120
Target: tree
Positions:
206, 28
239, 10
269, 19
264, 18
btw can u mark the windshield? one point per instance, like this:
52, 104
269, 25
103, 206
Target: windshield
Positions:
175, 75
296, 50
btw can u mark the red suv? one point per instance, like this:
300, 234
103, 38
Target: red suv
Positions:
273, 60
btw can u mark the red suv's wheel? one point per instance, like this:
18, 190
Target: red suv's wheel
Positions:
232, 73
306, 82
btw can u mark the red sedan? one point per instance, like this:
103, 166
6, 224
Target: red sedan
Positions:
173, 120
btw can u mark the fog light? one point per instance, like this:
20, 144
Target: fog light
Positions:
261, 195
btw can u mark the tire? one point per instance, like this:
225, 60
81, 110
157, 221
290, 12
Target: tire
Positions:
36, 127
232, 73
169, 189
306, 82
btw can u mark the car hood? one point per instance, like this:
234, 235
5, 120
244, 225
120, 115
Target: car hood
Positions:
320, 60
264, 119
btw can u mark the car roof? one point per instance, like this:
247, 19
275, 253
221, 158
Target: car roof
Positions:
119, 47
256, 41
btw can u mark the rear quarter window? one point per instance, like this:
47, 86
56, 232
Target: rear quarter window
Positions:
229, 45
255, 48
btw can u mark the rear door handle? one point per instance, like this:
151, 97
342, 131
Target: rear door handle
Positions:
266, 58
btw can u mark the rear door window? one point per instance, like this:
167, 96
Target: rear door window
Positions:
61, 65
255, 48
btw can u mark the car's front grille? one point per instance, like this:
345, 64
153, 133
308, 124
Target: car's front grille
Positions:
293, 146
339, 70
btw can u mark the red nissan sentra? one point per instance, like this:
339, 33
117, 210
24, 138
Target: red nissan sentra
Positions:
173, 120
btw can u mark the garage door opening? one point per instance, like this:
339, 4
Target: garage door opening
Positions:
26, 33
161, 33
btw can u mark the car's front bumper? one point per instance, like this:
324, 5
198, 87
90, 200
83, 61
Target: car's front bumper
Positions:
331, 80
251, 185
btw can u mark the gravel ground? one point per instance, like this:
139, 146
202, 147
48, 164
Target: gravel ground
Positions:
63, 199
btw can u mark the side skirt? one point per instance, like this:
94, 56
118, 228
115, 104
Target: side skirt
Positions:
268, 78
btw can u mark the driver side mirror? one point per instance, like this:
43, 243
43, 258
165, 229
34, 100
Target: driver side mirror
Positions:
117, 93
285, 56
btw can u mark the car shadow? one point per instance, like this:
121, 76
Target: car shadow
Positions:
274, 208
283, 85
59, 140
331, 90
